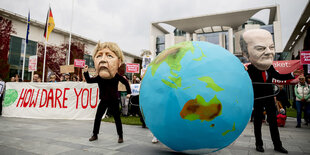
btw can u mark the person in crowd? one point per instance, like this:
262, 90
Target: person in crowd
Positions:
107, 57
61, 79
123, 96
39, 79
2, 89
281, 115
17, 79
302, 93
83, 78
35, 77
282, 97
134, 99
135, 80
67, 77
13, 79
258, 47
279, 106
307, 118
53, 78
74, 78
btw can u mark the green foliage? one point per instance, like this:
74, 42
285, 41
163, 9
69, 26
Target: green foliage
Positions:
129, 120
291, 112
6, 29
56, 56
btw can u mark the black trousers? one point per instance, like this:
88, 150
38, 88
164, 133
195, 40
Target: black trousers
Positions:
270, 108
114, 109
1, 98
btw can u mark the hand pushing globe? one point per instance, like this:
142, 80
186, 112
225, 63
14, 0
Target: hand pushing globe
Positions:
196, 97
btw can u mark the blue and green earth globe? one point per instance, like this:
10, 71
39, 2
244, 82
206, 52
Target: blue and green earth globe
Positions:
196, 97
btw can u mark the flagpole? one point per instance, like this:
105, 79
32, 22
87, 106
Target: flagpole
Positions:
25, 47
23, 70
70, 33
36, 64
44, 60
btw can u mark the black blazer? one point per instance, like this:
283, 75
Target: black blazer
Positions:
261, 90
108, 87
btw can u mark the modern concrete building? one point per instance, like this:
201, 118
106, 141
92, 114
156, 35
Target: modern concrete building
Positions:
223, 29
300, 38
57, 37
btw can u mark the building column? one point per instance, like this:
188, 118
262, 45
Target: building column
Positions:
188, 36
195, 37
222, 40
153, 46
231, 40
277, 36
169, 40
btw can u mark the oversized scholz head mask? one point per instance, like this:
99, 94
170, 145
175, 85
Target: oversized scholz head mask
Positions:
258, 47
107, 57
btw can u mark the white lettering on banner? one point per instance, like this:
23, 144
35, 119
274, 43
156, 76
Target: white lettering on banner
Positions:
135, 89
280, 64
278, 81
62, 100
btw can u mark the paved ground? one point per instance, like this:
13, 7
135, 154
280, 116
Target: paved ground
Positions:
37, 136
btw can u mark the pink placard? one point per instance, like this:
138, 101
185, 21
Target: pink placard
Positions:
132, 67
79, 63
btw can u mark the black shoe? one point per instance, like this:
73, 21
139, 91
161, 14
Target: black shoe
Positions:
298, 126
280, 149
120, 140
94, 137
260, 149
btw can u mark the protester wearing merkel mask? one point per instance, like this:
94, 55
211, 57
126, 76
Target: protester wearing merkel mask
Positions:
107, 57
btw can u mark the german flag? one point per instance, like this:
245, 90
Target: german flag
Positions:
50, 24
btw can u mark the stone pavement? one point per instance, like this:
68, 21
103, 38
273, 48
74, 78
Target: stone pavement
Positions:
38, 136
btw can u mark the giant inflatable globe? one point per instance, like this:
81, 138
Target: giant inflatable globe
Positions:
196, 97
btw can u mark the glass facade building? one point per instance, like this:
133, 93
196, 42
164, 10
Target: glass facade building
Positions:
16, 56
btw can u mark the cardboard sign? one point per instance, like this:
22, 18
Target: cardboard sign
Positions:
66, 69
305, 57
132, 68
146, 61
32, 66
135, 89
79, 63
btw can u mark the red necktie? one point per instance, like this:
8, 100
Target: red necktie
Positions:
264, 75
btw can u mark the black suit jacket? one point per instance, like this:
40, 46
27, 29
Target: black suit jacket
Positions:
261, 90
108, 87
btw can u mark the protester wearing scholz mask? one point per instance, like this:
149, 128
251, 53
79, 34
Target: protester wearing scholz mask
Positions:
258, 47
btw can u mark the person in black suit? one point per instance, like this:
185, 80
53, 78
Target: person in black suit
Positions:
107, 57
258, 47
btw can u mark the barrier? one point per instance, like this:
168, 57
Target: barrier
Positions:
62, 100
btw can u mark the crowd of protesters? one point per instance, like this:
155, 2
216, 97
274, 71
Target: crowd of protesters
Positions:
52, 78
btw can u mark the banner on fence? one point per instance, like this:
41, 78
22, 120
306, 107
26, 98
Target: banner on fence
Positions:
62, 100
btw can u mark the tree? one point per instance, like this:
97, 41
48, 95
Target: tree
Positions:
77, 51
6, 28
56, 56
